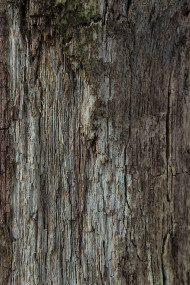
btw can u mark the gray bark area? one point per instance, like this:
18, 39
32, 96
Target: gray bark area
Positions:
6, 152
101, 133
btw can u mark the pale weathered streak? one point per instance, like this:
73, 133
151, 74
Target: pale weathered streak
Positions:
101, 129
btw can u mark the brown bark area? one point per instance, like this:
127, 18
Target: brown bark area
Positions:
101, 134
6, 153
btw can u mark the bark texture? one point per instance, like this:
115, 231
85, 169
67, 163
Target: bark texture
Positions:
6, 151
100, 124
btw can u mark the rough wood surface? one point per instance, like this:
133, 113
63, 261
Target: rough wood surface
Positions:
101, 129
6, 153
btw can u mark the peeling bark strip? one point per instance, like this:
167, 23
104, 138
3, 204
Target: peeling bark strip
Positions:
101, 132
5, 152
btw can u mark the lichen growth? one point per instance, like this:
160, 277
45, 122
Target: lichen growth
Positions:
79, 25
83, 49
76, 13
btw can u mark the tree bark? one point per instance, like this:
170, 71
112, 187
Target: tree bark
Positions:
95, 147
6, 152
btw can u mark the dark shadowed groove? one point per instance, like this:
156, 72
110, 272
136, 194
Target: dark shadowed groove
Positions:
129, 5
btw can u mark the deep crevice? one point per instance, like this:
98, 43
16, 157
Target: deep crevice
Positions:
125, 181
105, 13
162, 259
23, 15
129, 2
168, 133
168, 136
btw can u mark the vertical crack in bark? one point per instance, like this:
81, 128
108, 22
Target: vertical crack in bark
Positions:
169, 177
168, 138
38, 56
130, 104
125, 181
105, 13
23, 14
152, 268
163, 253
129, 2
162, 259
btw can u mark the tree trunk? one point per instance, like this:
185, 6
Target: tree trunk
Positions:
95, 142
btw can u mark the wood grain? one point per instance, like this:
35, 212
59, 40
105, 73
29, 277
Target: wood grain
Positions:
6, 151
101, 128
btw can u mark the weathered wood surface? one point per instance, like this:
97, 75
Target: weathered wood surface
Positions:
6, 151
101, 129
